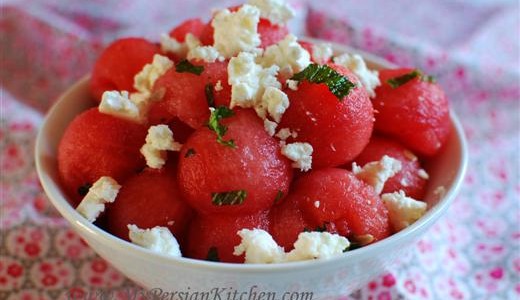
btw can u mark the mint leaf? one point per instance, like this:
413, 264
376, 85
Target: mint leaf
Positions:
218, 114
228, 198
278, 197
338, 84
184, 66
212, 254
208, 90
403, 79
190, 152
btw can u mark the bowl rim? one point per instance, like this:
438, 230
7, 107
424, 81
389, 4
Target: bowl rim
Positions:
66, 210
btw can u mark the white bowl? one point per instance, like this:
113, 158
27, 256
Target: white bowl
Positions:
328, 277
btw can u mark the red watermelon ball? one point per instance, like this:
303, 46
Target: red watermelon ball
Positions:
149, 199
95, 145
337, 129
416, 113
119, 63
214, 237
255, 166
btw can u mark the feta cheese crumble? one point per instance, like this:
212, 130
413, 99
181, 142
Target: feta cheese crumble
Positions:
270, 127
276, 11
103, 191
300, 154
288, 55
292, 84
321, 53
355, 63
259, 247
402, 210
376, 173
118, 104
286, 133
144, 80
235, 32
274, 101
172, 45
205, 53
422, 174
158, 140
249, 80
158, 239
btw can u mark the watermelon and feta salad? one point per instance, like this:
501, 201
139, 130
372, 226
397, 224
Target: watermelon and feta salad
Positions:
233, 141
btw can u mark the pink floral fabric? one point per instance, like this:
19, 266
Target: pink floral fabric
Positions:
472, 47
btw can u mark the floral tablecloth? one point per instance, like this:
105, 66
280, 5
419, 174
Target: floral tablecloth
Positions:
472, 47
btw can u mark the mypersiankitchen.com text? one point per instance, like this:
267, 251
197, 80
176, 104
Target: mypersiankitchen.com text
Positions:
216, 293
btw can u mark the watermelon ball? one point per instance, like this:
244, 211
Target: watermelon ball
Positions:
411, 179
216, 78
194, 26
240, 179
95, 145
335, 197
149, 199
287, 222
416, 112
337, 129
214, 237
119, 63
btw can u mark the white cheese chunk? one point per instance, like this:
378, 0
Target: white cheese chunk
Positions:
402, 210
144, 80
286, 133
276, 11
103, 191
270, 127
321, 53
300, 154
288, 55
355, 63
158, 140
172, 45
423, 174
158, 239
205, 53
376, 173
259, 247
118, 104
292, 84
235, 32
317, 245
249, 80
274, 102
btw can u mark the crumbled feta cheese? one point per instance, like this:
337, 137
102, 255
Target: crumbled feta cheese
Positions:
172, 45
276, 11
376, 173
440, 191
422, 174
287, 54
259, 247
218, 86
355, 63
205, 53
249, 80
158, 140
158, 239
317, 204
270, 127
235, 32
286, 133
274, 101
321, 53
404, 182
118, 104
144, 80
300, 154
103, 191
292, 84
402, 210
317, 245
409, 155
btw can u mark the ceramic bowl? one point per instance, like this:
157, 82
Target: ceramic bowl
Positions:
328, 277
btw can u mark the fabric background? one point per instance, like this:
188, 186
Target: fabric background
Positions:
472, 47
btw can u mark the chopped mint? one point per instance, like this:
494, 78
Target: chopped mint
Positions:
338, 84
214, 124
184, 66
229, 198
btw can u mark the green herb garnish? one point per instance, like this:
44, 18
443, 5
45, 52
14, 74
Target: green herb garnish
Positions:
83, 190
338, 84
278, 197
228, 198
321, 228
190, 152
403, 79
208, 89
218, 114
212, 254
184, 66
